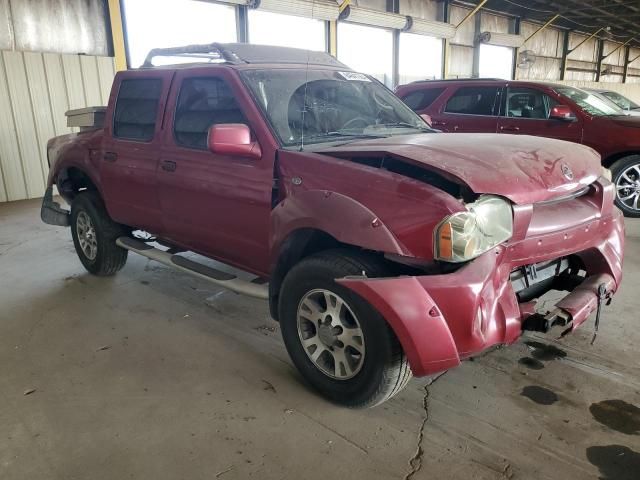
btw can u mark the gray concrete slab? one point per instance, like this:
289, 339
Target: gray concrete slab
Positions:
153, 374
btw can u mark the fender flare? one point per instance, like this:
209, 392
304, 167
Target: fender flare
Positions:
341, 217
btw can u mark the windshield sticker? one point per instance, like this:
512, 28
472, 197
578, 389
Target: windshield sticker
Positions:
353, 76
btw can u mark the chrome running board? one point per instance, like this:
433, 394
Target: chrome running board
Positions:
218, 277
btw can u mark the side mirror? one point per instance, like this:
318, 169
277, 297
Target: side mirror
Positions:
562, 112
427, 119
233, 139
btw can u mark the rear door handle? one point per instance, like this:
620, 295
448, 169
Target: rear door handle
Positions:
168, 166
436, 123
509, 128
110, 156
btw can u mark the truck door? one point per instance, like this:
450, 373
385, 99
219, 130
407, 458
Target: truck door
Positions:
216, 205
131, 149
526, 111
470, 109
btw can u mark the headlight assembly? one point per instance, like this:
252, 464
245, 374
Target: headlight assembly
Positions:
465, 235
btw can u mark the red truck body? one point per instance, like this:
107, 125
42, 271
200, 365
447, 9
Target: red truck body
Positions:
270, 206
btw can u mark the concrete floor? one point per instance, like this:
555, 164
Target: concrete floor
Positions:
152, 374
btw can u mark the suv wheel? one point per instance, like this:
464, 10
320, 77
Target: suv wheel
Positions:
340, 344
626, 178
94, 235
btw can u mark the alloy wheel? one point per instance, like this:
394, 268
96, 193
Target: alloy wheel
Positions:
86, 235
628, 187
330, 334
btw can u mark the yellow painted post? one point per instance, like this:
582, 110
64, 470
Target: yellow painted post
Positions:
446, 57
117, 35
333, 38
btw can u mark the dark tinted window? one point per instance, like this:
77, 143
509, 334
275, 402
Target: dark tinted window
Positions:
203, 102
528, 103
137, 108
421, 99
474, 101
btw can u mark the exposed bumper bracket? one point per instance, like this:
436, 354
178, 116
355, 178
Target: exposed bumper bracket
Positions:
543, 323
51, 212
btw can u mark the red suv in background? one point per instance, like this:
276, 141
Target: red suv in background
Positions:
541, 109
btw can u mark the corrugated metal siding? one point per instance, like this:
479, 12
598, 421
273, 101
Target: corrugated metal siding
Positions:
59, 26
36, 90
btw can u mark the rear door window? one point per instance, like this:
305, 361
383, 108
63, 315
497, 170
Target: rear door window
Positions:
421, 99
203, 102
136, 110
474, 101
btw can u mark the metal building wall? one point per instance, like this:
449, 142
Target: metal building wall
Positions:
36, 89
61, 26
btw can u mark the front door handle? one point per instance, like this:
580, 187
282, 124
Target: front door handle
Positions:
509, 128
436, 123
110, 156
168, 166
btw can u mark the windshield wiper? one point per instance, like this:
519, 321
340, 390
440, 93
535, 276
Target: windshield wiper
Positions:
404, 125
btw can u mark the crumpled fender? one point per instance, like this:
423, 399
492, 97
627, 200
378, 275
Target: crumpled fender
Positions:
342, 217
414, 317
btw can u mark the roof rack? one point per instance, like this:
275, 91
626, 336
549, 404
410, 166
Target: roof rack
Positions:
239, 53
209, 52
478, 79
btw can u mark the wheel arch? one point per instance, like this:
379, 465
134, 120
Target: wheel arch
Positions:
72, 180
299, 244
613, 158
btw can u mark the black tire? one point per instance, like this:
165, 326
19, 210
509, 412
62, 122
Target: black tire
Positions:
617, 169
384, 370
108, 257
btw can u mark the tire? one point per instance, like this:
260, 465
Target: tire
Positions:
103, 257
626, 171
366, 380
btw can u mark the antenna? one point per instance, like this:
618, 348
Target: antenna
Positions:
306, 85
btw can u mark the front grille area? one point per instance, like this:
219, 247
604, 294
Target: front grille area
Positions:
532, 281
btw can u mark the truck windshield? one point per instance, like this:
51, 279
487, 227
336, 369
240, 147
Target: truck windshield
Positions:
315, 106
590, 103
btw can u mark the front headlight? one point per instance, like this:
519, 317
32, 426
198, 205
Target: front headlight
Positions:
465, 235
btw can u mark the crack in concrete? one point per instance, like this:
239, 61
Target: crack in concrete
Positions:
415, 462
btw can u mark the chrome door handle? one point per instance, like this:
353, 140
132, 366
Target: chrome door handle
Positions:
509, 128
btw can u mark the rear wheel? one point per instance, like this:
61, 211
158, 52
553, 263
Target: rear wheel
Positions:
94, 235
626, 178
340, 344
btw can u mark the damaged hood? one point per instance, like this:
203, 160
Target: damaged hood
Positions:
522, 168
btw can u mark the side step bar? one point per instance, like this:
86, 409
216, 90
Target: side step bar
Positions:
220, 278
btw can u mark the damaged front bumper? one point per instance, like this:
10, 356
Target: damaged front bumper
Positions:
442, 319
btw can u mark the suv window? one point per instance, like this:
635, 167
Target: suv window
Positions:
421, 99
528, 103
137, 109
474, 101
203, 102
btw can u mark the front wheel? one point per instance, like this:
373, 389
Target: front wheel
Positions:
340, 344
94, 235
625, 175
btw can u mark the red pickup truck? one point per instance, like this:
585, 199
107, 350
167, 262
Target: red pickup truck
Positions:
385, 249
